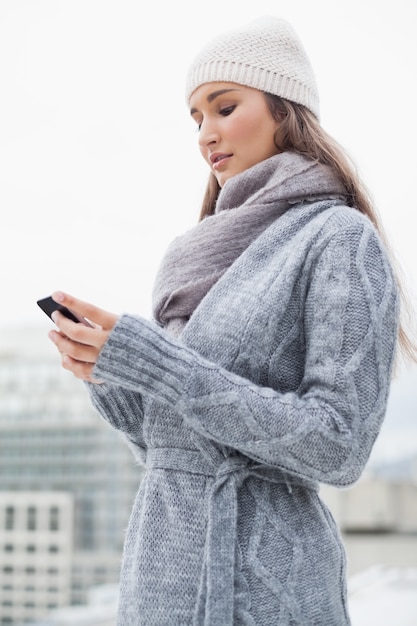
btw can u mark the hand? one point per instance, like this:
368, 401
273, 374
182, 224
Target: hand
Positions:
79, 344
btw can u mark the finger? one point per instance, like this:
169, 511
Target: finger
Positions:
96, 315
83, 371
80, 333
76, 350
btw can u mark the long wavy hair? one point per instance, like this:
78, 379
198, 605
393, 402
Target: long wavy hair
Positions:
300, 131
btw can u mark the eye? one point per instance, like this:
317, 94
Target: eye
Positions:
225, 111
199, 123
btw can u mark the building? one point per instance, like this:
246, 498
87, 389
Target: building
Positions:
380, 502
53, 444
100, 610
36, 544
378, 519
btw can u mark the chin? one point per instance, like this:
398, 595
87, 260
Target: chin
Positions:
222, 180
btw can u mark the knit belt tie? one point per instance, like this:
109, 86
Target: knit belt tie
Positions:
216, 589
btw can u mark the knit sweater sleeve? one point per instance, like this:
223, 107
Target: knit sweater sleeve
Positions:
123, 409
323, 431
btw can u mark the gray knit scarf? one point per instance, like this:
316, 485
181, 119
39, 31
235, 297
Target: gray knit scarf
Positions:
248, 203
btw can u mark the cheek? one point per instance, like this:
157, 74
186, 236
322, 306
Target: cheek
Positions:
254, 131
265, 137
245, 129
204, 154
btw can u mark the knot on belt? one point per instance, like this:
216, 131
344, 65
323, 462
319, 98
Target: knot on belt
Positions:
232, 465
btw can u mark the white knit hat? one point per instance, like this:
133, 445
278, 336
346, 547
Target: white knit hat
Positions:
266, 55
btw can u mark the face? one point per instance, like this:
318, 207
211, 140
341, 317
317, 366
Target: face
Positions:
236, 128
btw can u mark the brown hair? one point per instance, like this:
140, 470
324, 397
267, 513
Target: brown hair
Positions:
300, 131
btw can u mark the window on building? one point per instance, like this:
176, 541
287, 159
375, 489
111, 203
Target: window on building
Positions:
78, 585
9, 547
30, 548
53, 549
29, 605
54, 518
31, 518
10, 517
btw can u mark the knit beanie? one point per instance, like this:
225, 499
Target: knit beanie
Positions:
266, 55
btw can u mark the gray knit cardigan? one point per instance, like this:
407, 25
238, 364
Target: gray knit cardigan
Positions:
278, 382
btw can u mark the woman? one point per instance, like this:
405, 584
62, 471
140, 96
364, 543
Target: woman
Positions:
266, 369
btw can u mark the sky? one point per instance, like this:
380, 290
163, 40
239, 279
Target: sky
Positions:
99, 163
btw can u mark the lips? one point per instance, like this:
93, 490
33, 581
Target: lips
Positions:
217, 158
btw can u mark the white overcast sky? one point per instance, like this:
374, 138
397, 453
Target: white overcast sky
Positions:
99, 165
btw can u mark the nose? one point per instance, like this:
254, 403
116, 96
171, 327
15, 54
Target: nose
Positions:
208, 133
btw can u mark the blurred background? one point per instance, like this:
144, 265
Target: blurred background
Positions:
99, 171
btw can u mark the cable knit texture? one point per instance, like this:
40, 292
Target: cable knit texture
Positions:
279, 381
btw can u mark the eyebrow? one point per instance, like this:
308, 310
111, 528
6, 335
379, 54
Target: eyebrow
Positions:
212, 96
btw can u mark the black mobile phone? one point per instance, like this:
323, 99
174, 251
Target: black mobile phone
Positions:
49, 306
